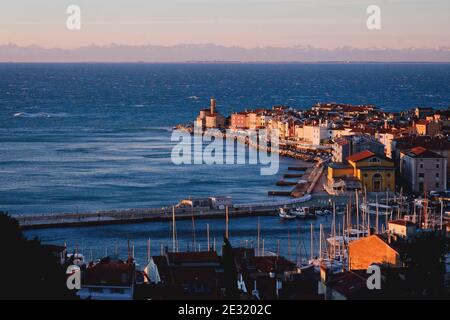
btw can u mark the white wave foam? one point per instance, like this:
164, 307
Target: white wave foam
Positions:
39, 115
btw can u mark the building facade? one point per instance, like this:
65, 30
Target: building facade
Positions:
423, 170
348, 145
376, 172
372, 249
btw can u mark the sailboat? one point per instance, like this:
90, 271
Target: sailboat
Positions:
286, 214
334, 263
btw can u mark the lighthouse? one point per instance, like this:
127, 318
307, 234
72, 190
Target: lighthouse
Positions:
213, 106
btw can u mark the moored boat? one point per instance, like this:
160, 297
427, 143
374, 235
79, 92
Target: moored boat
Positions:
286, 214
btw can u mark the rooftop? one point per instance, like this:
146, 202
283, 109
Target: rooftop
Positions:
360, 156
339, 165
402, 223
421, 152
193, 257
110, 272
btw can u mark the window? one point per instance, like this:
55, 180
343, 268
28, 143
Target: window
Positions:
365, 175
437, 165
421, 175
437, 184
388, 175
421, 166
374, 160
437, 174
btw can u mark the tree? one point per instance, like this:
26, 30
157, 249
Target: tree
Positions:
229, 270
28, 270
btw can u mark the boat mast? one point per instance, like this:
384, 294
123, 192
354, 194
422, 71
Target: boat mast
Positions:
298, 246
339, 243
174, 243
349, 225
387, 208
207, 236
312, 242
278, 248
376, 227
289, 245
259, 234
320, 243
226, 222
148, 250
193, 228
334, 226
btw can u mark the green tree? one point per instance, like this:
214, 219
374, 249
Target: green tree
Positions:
28, 270
230, 270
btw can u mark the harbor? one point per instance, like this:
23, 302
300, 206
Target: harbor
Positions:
295, 250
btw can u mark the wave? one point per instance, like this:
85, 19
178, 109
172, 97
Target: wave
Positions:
40, 115
194, 97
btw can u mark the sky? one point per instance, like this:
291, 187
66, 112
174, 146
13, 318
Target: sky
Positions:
324, 24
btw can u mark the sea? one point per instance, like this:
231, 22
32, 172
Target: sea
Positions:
85, 137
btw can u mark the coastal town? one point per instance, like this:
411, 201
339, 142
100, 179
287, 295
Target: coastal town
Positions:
361, 148
385, 180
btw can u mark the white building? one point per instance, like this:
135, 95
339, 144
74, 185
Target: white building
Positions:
315, 134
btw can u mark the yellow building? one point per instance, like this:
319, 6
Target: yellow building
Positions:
376, 172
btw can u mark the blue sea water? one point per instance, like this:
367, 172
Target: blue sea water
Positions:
77, 137
97, 136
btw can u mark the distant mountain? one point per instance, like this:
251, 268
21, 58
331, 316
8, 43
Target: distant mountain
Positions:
218, 53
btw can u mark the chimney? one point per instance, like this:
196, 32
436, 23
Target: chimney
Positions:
213, 106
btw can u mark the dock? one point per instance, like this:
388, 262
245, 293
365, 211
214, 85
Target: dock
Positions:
297, 168
283, 183
279, 193
292, 175
125, 216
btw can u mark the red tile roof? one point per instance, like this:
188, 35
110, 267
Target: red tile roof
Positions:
349, 283
273, 263
421, 152
109, 273
360, 156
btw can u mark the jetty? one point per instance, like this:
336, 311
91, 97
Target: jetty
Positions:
132, 216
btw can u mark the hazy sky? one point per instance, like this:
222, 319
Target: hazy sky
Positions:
246, 23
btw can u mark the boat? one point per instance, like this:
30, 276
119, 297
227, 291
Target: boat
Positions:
374, 208
78, 259
286, 214
305, 213
319, 213
349, 236
300, 212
